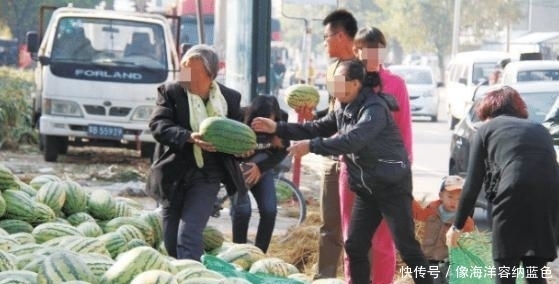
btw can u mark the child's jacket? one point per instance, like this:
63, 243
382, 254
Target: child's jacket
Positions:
433, 239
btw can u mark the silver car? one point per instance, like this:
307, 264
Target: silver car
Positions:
422, 89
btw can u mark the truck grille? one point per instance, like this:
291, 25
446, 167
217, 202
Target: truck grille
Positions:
101, 110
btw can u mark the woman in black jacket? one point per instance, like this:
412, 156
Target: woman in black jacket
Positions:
377, 163
259, 176
513, 159
186, 176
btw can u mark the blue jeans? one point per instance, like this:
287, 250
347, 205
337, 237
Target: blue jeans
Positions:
393, 203
264, 193
185, 218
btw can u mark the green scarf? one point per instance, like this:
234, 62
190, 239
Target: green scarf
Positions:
216, 106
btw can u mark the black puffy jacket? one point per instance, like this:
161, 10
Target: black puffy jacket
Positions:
366, 132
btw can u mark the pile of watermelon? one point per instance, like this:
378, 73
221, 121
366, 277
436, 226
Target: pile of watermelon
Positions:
54, 231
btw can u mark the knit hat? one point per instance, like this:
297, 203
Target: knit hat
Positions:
451, 183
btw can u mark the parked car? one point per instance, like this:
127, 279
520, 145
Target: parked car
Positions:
531, 70
422, 88
542, 99
465, 72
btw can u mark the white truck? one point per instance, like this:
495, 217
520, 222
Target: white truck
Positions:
97, 75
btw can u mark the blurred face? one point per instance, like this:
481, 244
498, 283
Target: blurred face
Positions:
372, 58
450, 199
344, 91
194, 75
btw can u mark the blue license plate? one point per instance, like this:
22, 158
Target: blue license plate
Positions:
103, 131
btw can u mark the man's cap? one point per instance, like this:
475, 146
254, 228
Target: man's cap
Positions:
451, 183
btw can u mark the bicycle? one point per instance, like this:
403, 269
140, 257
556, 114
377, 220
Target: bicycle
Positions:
291, 202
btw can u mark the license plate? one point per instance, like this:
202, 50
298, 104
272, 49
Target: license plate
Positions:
103, 131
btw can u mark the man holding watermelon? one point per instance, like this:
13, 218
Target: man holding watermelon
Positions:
187, 173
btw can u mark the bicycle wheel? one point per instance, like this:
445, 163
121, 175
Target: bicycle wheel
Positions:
291, 202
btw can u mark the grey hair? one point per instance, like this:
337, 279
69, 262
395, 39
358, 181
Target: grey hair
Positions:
207, 55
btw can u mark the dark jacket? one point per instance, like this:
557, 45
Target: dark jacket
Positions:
526, 199
170, 126
366, 133
271, 156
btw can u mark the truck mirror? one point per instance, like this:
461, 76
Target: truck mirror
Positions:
32, 42
44, 60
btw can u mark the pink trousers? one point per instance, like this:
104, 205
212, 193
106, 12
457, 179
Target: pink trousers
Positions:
383, 252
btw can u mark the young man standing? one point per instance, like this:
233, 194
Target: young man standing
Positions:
339, 29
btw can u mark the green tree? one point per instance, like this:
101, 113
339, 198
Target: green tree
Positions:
21, 16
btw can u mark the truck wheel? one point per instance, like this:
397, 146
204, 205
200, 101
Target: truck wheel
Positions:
50, 148
147, 149
62, 145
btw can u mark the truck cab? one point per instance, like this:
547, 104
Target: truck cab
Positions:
97, 77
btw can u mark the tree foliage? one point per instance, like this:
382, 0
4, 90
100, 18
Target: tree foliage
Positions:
21, 16
423, 26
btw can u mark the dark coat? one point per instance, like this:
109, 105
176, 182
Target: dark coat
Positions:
526, 185
366, 133
170, 126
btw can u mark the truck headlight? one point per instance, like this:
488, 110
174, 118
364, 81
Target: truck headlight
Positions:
142, 113
61, 108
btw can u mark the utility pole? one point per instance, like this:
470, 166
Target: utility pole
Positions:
456, 27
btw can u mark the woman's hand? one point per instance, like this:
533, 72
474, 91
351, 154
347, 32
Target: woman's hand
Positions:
452, 236
252, 174
299, 149
262, 124
196, 139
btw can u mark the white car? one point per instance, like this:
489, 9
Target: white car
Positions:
422, 88
530, 70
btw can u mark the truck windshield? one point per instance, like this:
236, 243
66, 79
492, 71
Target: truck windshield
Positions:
109, 42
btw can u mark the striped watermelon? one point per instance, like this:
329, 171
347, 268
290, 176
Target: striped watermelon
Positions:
13, 226
136, 243
76, 198
182, 264
43, 213
40, 180
7, 179
212, 238
85, 245
19, 205
35, 263
195, 273
133, 262
3, 232
2, 205
130, 232
64, 266
115, 243
155, 221
23, 238
7, 242
52, 194
273, 266
243, 255
25, 249
90, 229
123, 209
228, 135
8, 261
147, 230
101, 205
154, 277
302, 95
47, 231
97, 263
18, 277
80, 217
26, 188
